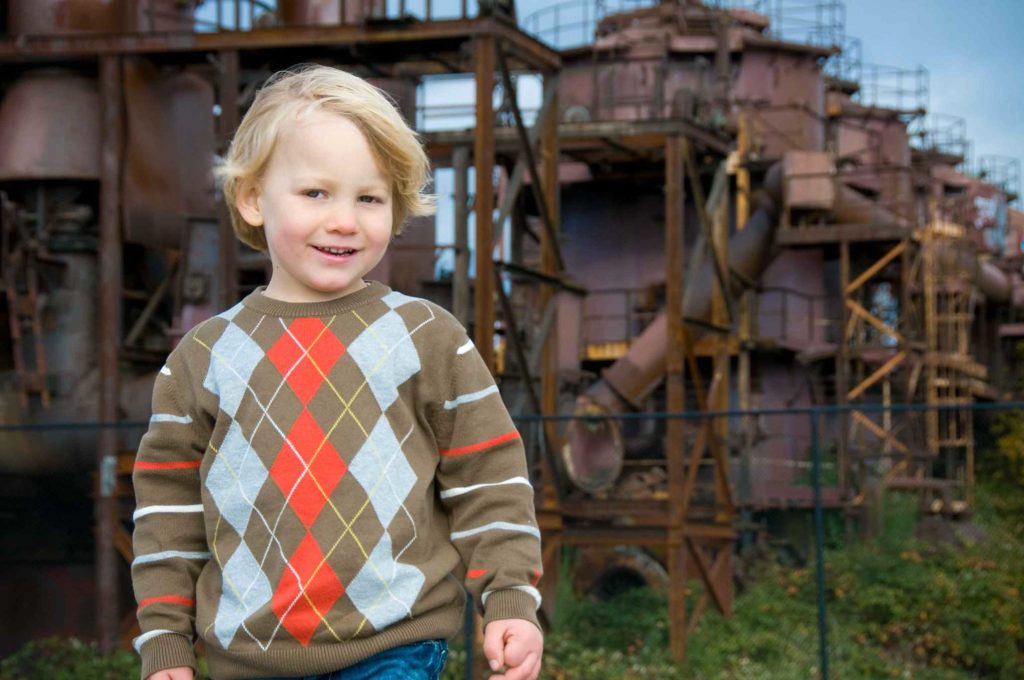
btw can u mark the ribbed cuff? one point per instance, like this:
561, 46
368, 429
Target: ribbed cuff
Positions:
511, 604
167, 651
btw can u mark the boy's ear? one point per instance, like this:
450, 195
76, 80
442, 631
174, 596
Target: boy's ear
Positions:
247, 202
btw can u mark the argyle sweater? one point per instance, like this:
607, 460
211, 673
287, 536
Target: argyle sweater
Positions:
316, 482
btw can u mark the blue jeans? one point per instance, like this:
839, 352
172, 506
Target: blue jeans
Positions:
417, 661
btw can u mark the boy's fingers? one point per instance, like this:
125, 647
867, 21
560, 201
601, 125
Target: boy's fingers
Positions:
534, 672
516, 652
494, 646
528, 670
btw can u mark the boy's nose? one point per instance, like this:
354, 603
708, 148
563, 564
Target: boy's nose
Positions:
343, 219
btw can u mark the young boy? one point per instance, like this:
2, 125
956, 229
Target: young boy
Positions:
327, 456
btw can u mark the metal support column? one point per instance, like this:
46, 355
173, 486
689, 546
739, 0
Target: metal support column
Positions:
743, 380
227, 94
483, 159
675, 452
549, 374
843, 368
721, 303
551, 265
460, 277
111, 286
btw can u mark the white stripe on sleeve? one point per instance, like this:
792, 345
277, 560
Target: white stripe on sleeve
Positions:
169, 418
460, 490
146, 637
153, 509
507, 526
526, 589
469, 398
465, 348
169, 554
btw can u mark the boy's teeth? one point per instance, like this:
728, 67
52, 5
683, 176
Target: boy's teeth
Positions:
337, 251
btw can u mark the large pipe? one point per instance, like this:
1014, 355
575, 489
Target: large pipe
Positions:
50, 127
593, 453
852, 207
995, 284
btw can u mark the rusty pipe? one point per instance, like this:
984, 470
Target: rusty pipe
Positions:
852, 207
593, 451
957, 258
50, 127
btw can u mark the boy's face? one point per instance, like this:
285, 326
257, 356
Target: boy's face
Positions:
325, 206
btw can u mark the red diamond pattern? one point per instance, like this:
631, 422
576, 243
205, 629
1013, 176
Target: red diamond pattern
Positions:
327, 468
322, 590
324, 351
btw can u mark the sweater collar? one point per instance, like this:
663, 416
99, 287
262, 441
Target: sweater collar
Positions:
259, 302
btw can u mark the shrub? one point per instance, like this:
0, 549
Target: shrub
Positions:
67, 659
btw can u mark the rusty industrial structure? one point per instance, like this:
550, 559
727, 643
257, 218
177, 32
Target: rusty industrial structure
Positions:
713, 206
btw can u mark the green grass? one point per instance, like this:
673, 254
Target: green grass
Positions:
897, 608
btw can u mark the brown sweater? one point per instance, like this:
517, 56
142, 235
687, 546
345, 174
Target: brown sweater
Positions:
316, 479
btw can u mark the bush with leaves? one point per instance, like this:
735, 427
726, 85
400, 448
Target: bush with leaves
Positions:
67, 659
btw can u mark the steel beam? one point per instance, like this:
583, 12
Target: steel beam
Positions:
460, 277
579, 137
836, 233
526, 149
675, 197
842, 368
707, 227
586, 535
743, 379
483, 159
545, 177
895, 252
227, 123
111, 285
515, 182
438, 35
880, 373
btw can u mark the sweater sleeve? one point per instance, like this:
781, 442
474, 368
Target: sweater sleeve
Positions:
169, 540
484, 485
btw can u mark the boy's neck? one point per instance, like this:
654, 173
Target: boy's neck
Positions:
270, 293
264, 302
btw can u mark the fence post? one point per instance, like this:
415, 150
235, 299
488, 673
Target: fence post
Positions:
819, 542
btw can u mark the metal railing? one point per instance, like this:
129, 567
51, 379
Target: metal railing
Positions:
247, 15
1002, 171
893, 87
573, 23
448, 102
942, 133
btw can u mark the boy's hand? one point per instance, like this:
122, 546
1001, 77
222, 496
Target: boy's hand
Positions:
516, 644
179, 673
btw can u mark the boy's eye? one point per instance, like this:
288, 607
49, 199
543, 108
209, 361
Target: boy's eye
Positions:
313, 193
369, 199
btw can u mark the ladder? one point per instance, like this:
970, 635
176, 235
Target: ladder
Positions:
21, 287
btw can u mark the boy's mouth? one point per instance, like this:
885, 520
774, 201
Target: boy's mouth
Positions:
335, 251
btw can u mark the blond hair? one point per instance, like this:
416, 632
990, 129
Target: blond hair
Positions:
395, 146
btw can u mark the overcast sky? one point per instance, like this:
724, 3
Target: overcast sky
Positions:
974, 53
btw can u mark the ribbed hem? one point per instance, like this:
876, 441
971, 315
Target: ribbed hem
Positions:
373, 290
167, 651
322, 658
511, 604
